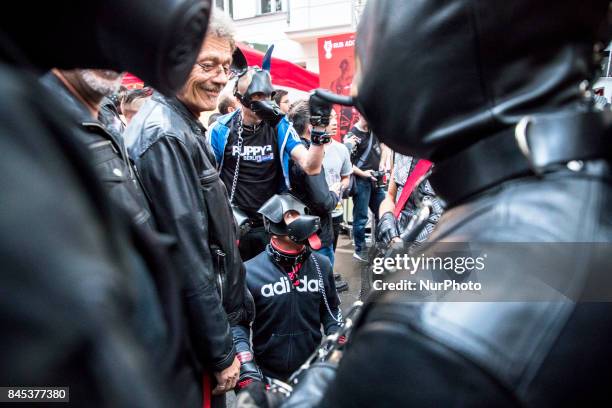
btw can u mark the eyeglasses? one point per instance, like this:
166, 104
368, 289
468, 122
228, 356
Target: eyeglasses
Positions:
209, 68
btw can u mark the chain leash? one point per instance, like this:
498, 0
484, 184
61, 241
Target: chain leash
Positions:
237, 170
338, 319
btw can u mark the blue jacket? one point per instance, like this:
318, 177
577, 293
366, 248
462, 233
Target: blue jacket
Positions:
287, 140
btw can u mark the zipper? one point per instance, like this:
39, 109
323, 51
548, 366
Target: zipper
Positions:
292, 321
220, 257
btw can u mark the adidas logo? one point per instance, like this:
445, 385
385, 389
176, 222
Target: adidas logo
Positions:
284, 286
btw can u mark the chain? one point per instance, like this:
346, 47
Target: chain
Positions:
339, 319
239, 144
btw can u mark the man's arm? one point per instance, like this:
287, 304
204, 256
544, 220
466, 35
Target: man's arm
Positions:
170, 177
249, 370
310, 160
388, 204
390, 362
363, 174
386, 158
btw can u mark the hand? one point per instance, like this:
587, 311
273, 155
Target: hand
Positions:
387, 230
370, 173
226, 379
336, 188
354, 140
320, 111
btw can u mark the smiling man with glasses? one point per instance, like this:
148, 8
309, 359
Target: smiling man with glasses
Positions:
166, 141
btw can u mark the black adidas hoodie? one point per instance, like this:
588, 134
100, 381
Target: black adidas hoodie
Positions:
287, 326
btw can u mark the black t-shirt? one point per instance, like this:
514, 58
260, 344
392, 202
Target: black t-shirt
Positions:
260, 169
372, 162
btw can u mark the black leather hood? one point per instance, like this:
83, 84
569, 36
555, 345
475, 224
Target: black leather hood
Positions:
438, 75
157, 40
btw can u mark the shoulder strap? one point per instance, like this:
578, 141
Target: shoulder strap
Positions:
366, 152
421, 169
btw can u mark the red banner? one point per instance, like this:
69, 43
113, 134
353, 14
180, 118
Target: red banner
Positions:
336, 71
284, 73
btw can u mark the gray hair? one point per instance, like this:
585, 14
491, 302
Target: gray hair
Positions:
221, 26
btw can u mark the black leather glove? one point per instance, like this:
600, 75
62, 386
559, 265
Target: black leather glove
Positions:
242, 221
249, 371
312, 385
320, 110
267, 111
253, 395
387, 228
318, 138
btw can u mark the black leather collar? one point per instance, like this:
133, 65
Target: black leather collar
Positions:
286, 261
535, 146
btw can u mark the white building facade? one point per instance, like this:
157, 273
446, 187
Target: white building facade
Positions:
293, 26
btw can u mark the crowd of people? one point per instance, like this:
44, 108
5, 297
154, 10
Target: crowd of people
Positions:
153, 260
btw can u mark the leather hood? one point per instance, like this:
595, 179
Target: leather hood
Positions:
157, 40
436, 76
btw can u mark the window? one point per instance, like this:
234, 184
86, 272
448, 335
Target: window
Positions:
226, 5
271, 6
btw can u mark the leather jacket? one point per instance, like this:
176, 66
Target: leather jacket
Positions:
157, 315
493, 353
67, 287
314, 192
190, 202
109, 116
510, 352
109, 156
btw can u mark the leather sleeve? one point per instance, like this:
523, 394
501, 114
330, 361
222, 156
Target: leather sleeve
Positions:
171, 180
317, 195
387, 361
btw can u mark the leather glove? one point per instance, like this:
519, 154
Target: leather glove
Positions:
252, 396
320, 110
249, 371
312, 385
267, 111
387, 228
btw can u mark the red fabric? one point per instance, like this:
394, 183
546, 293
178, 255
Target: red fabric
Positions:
132, 82
284, 73
421, 168
206, 391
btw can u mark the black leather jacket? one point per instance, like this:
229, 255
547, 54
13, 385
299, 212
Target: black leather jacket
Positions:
157, 315
109, 156
493, 353
189, 202
67, 287
314, 192
509, 352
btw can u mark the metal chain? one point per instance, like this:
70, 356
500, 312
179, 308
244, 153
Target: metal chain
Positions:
237, 170
322, 290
